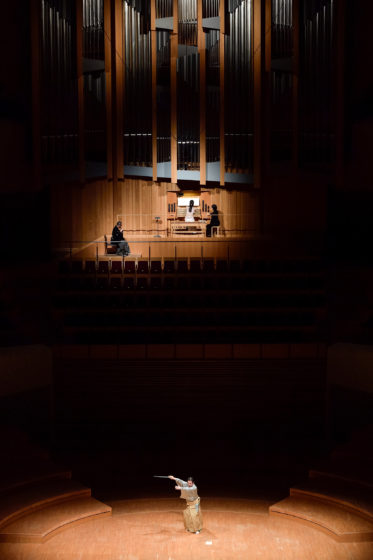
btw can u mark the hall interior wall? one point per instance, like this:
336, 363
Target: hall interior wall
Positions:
86, 212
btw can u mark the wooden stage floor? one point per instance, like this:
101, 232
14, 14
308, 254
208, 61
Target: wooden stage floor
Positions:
152, 529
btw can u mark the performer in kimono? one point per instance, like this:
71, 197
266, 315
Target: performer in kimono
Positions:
192, 513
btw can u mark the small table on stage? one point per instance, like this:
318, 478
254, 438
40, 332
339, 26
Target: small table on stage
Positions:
188, 228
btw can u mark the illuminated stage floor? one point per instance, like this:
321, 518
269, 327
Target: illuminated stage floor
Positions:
152, 529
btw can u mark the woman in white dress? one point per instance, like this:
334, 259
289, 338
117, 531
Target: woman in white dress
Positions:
189, 216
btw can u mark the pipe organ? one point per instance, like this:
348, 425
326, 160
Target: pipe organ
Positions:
282, 53
169, 86
317, 47
58, 91
238, 87
137, 113
93, 53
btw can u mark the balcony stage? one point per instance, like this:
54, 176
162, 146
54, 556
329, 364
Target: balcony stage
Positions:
231, 247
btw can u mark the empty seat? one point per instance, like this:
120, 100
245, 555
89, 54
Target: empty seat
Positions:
169, 283
128, 283
76, 267
142, 283
88, 283
90, 267
155, 267
129, 267
155, 283
235, 266
208, 265
195, 265
102, 283
182, 266
221, 265
142, 267
103, 267
115, 283
169, 267
116, 267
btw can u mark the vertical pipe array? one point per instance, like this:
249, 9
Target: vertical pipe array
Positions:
188, 128
59, 117
315, 82
94, 81
282, 28
212, 96
281, 115
281, 80
210, 8
163, 97
138, 83
239, 87
163, 8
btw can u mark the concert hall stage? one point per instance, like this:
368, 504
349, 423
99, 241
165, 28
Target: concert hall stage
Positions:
152, 529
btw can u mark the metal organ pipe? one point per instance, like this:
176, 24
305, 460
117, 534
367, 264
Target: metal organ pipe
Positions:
137, 95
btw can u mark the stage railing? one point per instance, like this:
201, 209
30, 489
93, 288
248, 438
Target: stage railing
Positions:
71, 249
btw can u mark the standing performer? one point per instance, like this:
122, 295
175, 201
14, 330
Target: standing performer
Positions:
192, 513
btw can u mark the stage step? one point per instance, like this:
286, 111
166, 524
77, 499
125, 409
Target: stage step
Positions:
42, 494
40, 525
356, 498
24, 474
342, 525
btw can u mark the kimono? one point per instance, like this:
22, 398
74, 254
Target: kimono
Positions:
192, 513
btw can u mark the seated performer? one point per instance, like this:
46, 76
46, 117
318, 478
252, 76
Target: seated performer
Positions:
189, 216
192, 513
214, 220
118, 239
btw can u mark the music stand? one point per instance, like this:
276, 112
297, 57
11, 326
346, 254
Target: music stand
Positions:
158, 221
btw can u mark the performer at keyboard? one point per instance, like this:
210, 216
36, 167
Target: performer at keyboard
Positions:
214, 220
189, 216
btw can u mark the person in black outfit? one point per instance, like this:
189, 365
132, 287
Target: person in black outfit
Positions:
118, 239
214, 221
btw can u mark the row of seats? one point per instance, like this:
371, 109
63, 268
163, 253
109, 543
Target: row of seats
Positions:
118, 267
188, 300
169, 283
220, 318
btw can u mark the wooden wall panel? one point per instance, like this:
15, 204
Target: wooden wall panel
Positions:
142, 201
80, 213
239, 210
85, 212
